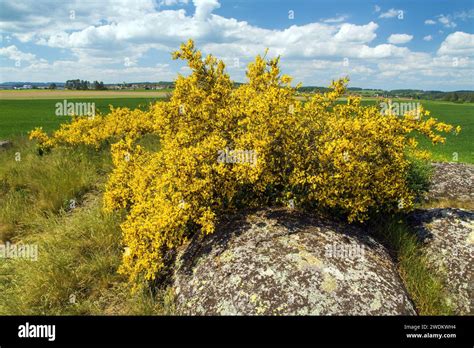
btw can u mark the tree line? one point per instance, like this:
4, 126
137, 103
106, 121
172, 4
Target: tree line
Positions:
84, 85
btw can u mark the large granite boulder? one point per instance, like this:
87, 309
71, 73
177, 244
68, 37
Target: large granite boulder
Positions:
452, 185
448, 236
276, 262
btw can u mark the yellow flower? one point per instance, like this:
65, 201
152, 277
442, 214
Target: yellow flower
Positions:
320, 153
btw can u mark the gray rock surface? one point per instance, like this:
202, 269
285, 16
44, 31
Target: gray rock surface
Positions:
453, 182
448, 235
5, 144
276, 262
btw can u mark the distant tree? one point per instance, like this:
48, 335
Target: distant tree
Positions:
98, 85
73, 84
78, 84
84, 85
52, 86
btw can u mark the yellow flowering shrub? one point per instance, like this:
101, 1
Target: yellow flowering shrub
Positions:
314, 154
118, 124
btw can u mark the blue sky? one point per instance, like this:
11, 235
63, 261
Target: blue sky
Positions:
378, 44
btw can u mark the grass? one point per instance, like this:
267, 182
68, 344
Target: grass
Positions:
449, 203
73, 94
32, 186
458, 148
424, 285
18, 117
79, 249
76, 270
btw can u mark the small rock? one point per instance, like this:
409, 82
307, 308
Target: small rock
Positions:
5, 144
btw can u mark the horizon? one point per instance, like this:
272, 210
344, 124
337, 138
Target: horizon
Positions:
377, 44
304, 86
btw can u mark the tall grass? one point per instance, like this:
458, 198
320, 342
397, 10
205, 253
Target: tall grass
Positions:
76, 270
425, 287
32, 185
79, 249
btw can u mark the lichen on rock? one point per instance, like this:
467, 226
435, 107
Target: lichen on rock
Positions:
276, 262
447, 235
452, 184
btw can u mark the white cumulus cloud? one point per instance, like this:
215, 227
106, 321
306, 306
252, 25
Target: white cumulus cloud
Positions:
338, 19
398, 39
204, 8
125, 40
391, 13
359, 33
172, 2
13, 53
447, 21
457, 44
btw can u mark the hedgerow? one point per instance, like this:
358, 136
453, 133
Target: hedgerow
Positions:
313, 154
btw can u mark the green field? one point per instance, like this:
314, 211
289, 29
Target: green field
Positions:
457, 114
461, 144
19, 116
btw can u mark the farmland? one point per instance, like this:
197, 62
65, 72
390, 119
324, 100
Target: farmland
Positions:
19, 116
63, 192
21, 111
461, 145
458, 148
52, 94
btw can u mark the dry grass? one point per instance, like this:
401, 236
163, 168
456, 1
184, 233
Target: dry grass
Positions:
79, 249
53, 94
449, 203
